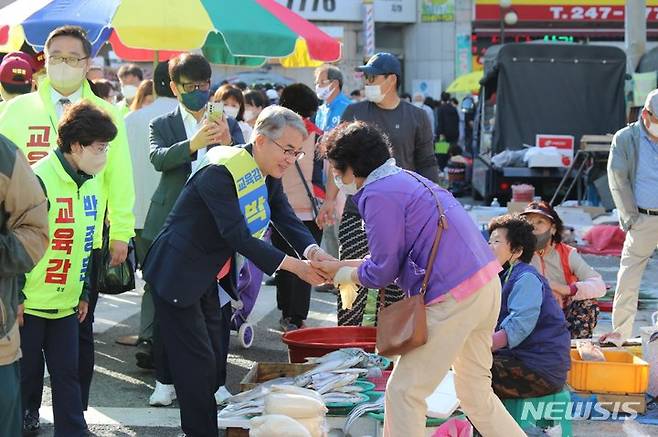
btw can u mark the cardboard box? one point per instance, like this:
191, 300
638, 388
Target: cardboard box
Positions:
516, 207
261, 372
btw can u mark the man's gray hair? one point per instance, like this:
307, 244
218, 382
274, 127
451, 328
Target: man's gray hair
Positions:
273, 120
333, 73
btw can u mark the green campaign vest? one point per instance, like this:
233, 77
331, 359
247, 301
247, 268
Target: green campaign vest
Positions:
55, 283
249, 184
30, 122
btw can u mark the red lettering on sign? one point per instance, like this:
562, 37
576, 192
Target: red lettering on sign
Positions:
65, 214
38, 137
63, 240
57, 271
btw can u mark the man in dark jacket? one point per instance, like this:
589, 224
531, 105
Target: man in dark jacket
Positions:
23, 241
224, 209
179, 140
447, 120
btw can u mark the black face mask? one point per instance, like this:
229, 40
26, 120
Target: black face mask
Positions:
543, 240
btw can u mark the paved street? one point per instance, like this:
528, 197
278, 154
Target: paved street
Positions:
120, 391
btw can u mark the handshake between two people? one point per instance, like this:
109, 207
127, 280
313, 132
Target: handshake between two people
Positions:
320, 268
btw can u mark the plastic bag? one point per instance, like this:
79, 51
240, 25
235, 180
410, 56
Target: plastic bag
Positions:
294, 405
118, 279
509, 158
276, 425
589, 351
455, 428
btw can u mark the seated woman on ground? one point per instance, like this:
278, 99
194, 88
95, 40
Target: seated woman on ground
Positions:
531, 342
575, 284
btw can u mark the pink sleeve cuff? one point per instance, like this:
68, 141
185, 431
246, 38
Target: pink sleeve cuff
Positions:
499, 340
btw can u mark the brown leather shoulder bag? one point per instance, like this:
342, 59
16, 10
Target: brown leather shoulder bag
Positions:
402, 326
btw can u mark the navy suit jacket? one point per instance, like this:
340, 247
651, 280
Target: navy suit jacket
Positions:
170, 155
206, 227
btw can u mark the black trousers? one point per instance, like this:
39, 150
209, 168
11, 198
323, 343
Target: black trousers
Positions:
86, 338
57, 339
293, 295
193, 337
32, 397
162, 370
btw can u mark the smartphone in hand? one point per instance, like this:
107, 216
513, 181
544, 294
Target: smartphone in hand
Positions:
215, 111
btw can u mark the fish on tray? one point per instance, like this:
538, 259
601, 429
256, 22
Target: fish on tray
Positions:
259, 391
343, 398
360, 410
324, 383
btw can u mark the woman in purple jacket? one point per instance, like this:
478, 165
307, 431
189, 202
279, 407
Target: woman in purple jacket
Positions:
400, 217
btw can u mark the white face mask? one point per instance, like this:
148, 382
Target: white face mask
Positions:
129, 91
90, 162
374, 93
248, 115
323, 92
231, 111
418, 104
64, 77
348, 189
653, 129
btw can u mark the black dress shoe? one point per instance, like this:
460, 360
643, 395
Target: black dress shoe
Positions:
31, 425
144, 355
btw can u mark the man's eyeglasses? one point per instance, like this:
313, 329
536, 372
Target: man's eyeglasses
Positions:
290, 153
70, 60
188, 87
99, 147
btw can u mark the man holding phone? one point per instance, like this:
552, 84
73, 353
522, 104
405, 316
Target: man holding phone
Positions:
179, 141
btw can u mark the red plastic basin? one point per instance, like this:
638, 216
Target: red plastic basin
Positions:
317, 342
605, 306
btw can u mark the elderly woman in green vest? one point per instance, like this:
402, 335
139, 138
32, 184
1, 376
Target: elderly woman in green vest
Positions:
55, 291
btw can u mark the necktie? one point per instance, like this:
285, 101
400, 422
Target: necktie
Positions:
65, 103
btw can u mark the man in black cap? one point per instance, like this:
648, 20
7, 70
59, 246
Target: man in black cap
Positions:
409, 130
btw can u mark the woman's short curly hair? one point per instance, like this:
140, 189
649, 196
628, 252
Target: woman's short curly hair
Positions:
358, 145
519, 234
84, 123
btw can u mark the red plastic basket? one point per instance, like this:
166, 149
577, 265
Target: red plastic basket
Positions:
380, 383
605, 306
316, 342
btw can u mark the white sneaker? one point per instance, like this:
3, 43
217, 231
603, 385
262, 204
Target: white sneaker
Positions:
163, 395
222, 394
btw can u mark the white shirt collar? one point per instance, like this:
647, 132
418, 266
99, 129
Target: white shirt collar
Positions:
74, 98
187, 115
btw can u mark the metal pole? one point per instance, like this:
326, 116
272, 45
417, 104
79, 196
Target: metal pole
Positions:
635, 32
502, 26
368, 28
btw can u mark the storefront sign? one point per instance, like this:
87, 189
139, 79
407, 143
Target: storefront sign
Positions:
576, 11
386, 11
437, 10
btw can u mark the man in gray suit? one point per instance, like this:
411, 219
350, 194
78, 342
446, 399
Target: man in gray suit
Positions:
179, 141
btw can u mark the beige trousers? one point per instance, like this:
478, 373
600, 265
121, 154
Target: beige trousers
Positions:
459, 335
641, 241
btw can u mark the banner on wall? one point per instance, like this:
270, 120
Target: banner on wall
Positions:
437, 10
463, 55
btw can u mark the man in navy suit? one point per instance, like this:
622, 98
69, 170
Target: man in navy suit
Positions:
178, 142
223, 209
